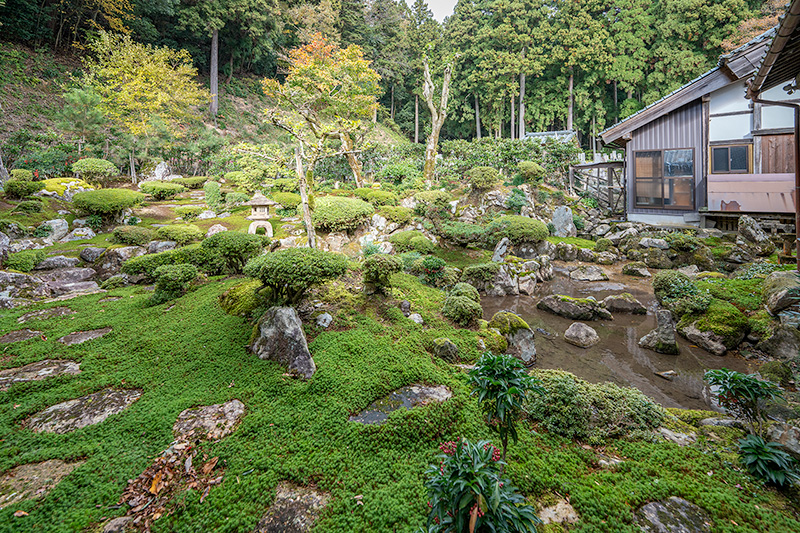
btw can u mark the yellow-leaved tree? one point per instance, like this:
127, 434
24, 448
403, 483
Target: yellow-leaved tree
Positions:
329, 93
141, 85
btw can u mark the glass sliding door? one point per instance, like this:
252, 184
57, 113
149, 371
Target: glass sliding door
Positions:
664, 179
648, 174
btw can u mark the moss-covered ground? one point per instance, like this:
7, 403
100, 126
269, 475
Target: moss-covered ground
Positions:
193, 353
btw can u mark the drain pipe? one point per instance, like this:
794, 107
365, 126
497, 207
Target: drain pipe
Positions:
796, 108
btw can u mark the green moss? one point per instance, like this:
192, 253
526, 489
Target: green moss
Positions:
761, 323
483, 272
576, 241
580, 301
777, 372
59, 185
723, 319
745, 294
507, 323
241, 299
692, 416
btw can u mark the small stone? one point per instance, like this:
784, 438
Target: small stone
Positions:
406, 397
721, 422
118, 525
324, 320
206, 215
691, 270
574, 308
444, 349
560, 513
637, 269
216, 228
624, 303
154, 247
37, 371
31, 481
649, 242
669, 375
581, 335
281, 338
416, 317
405, 308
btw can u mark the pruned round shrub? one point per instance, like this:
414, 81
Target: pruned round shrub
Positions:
193, 182
376, 197
235, 248
94, 170
233, 199
482, 178
21, 174
290, 273
576, 409
440, 198
463, 233
172, 281
288, 200
333, 213
24, 261
180, 233
482, 272
133, 235
465, 289
517, 228
379, 268
107, 202
29, 206
462, 310
407, 241
399, 173
530, 171
161, 190
189, 212
15, 188
205, 259
603, 245
398, 215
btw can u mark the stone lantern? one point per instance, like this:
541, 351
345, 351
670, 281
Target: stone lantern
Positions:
260, 213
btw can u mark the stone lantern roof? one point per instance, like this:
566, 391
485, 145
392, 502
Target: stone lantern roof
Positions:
261, 201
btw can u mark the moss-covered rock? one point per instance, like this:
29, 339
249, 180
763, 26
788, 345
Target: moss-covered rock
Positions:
241, 299
776, 371
574, 308
636, 268
507, 323
721, 328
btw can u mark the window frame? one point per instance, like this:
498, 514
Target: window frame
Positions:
664, 179
749, 153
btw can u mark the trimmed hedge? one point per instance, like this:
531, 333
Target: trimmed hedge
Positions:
21, 174
161, 190
463, 233
235, 248
482, 178
440, 198
530, 170
205, 259
15, 188
213, 195
106, 202
462, 310
288, 200
180, 233
194, 182
24, 261
398, 215
333, 213
172, 281
376, 197
407, 241
188, 212
517, 228
133, 235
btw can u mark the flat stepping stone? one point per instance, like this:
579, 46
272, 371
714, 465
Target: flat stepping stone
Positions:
294, 511
210, 422
20, 335
109, 299
37, 371
403, 398
673, 515
44, 314
79, 337
85, 411
33, 480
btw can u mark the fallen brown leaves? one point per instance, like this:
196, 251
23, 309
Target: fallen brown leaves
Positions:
153, 494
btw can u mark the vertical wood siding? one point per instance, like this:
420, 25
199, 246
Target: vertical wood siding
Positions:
681, 128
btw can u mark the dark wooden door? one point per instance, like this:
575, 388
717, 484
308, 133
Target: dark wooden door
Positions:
777, 154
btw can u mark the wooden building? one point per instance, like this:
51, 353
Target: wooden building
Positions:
706, 153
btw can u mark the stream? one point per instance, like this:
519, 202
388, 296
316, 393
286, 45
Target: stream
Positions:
617, 357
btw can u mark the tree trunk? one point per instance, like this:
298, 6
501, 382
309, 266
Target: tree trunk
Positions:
133, 168
522, 101
437, 115
569, 105
3, 171
105, 149
214, 74
416, 119
352, 158
615, 96
303, 186
391, 111
477, 119
513, 122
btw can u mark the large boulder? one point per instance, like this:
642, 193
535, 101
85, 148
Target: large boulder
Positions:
754, 236
58, 228
673, 515
636, 268
501, 250
154, 247
662, 339
78, 234
518, 333
781, 290
708, 340
5, 242
281, 338
444, 349
66, 280
57, 261
574, 308
112, 260
563, 222
782, 344
787, 436
624, 303
505, 283
588, 273
15, 285
649, 242
90, 254
581, 335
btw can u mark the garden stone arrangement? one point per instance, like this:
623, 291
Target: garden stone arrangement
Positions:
354, 332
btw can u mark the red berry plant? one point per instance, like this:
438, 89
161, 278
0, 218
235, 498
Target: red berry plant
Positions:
468, 494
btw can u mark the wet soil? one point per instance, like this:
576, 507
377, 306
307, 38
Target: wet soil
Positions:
617, 357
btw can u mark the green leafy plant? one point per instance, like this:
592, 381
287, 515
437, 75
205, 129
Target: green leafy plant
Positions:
398, 215
236, 248
379, 268
43, 231
24, 261
483, 178
502, 385
162, 190
518, 229
743, 395
516, 201
188, 212
530, 170
180, 233
288, 274
172, 281
133, 235
212, 194
236, 198
94, 222
766, 461
21, 174
462, 233
15, 188
333, 213
467, 492
106, 202
376, 197
406, 241
95, 170
432, 269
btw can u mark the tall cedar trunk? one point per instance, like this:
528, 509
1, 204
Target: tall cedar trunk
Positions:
3, 171
214, 74
569, 106
391, 113
513, 122
437, 115
352, 158
133, 168
522, 101
477, 119
615, 95
105, 149
303, 186
416, 119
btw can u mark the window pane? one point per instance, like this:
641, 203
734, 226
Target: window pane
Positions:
648, 165
678, 192
719, 160
648, 192
678, 163
739, 158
